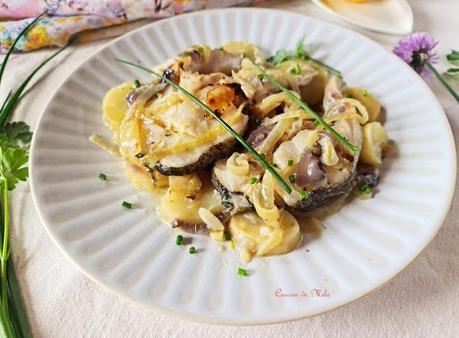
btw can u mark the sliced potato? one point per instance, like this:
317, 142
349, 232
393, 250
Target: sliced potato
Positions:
252, 236
189, 185
369, 101
177, 205
114, 105
374, 139
141, 178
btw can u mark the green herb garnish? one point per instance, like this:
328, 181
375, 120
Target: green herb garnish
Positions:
365, 93
192, 250
304, 195
453, 57
366, 189
305, 107
15, 140
453, 71
242, 272
290, 163
292, 179
238, 137
295, 70
103, 177
227, 235
253, 180
137, 83
257, 122
280, 56
298, 54
179, 240
126, 205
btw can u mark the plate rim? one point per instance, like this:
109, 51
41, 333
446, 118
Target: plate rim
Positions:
232, 322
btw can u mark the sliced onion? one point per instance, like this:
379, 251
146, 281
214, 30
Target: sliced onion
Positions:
213, 223
329, 157
274, 136
263, 200
238, 164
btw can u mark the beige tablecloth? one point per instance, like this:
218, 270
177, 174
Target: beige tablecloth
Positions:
423, 301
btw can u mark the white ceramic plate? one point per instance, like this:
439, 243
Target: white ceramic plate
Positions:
133, 253
386, 16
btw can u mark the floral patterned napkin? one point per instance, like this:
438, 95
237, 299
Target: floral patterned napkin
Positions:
68, 17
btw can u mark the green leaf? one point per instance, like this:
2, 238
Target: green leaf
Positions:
13, 167
280, 56
453, 71
300, 53
453, 57
16, 134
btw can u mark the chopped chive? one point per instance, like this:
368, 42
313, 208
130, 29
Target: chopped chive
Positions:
261, 76
137, 83
304, 195
292, 179
253, 180
242, 272
366, 189
103, 177
365, 93
202, 105
126, 205
227, 235
201, 50
179, 240
257, 122
295, 70
192, 250
307, 109
290, 163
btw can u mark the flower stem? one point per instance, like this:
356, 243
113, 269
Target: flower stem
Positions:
5, 254
443, 81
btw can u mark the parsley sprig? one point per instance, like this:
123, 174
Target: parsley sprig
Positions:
15, 138
299, 53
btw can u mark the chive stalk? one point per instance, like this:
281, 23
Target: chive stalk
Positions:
238, 137
126, 205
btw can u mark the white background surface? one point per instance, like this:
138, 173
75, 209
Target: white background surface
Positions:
423, 301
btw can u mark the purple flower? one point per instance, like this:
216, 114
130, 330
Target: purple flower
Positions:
416, 50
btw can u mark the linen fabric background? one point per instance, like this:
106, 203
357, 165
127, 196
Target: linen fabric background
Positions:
69, 17
422, 301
